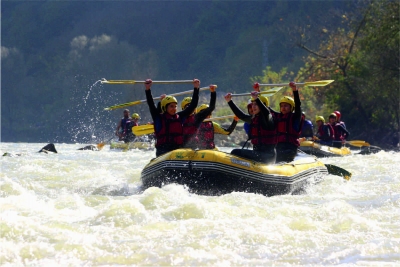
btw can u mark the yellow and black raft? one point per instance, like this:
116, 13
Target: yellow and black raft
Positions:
212, 172
321, 151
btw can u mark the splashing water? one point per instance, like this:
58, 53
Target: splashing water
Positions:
87, 208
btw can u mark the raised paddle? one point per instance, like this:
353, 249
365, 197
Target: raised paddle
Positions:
149, 128
156, 98
269, 92
315, 83
103, 80
335, 170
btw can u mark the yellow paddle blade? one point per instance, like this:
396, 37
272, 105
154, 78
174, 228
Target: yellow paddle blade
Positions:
134, 82
317, 83
143, 129
125, 105
357, 143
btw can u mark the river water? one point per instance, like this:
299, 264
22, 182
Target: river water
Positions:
86, 208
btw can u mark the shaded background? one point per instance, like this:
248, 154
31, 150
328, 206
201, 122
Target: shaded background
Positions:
53, 53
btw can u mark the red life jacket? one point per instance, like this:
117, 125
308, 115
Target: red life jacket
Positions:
171, 131
284, 127
190, 130
260, 136
339, 136
206, 135
322, 134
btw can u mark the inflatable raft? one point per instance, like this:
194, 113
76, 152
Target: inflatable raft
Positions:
320, 151
132, 145
213, 172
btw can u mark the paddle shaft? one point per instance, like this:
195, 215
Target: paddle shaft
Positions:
270, 92
155, 98
134, 82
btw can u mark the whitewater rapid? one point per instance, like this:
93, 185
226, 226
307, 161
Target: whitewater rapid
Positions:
87, 208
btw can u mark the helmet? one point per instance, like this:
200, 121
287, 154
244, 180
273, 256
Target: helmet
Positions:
202, 107
319, 118
167, 100
186, 101
287, 100
338, 115
135, 116
262, 99
332, 115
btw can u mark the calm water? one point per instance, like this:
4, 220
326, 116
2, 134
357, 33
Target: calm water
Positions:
85, 208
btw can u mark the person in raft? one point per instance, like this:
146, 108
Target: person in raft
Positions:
168, 125
325, 134
340, 132
191, 139
207, 129
338, 118
289, 122
262, 130
124, 127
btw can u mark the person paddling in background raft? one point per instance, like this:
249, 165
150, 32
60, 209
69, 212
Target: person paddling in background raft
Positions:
325, 134
341, 134
124, 128
168, 125
288, 125
191, 138
207, 129
262, 130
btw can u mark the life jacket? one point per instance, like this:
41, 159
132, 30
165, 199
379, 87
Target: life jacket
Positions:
284, 128
339, 136
171, 132
206, 135
190, 130
260, 136
322, 134
126, 126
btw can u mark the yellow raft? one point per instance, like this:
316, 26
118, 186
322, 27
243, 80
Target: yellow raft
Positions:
131, 145
214, 172
318, 150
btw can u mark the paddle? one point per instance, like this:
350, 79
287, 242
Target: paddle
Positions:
103, 80
268, 93
156, 98
316, 83
335, 170
102, 144
357, 143
149, 128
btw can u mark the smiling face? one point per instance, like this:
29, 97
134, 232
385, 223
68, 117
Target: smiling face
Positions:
256, 109
285, 108
172, 108
319, 123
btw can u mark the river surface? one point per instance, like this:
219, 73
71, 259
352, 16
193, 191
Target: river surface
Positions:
86, 208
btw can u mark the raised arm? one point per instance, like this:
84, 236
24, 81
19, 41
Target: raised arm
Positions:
195, 100
220, 130
237, 111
